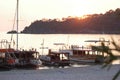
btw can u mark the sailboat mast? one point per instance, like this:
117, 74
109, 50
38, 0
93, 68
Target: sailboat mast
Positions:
17, 24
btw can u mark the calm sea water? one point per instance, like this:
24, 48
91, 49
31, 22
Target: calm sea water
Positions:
29, 41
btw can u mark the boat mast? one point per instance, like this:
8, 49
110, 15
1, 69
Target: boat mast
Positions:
17, 24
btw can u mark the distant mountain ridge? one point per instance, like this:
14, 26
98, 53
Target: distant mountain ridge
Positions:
108, 23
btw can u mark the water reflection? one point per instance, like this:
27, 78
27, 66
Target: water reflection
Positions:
73, 65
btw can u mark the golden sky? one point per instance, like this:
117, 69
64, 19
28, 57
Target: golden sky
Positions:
31, 10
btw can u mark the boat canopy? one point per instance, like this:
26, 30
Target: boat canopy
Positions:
100, 40
59, 43
6, 50
95, 41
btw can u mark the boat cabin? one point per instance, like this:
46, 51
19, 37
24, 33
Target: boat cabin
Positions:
55, 59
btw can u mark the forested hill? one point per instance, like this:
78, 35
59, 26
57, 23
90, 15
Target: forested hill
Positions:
108, 23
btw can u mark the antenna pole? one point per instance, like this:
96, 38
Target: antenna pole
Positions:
43, 47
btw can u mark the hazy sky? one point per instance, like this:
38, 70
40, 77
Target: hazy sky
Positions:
31, 10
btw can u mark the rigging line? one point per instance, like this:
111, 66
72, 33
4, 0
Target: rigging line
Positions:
14, 23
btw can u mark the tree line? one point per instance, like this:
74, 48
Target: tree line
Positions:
107, 23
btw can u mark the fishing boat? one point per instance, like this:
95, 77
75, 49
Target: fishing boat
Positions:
55, 59
26, 59
11, 58
86, 54
18, 58
81, 55
7, 57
